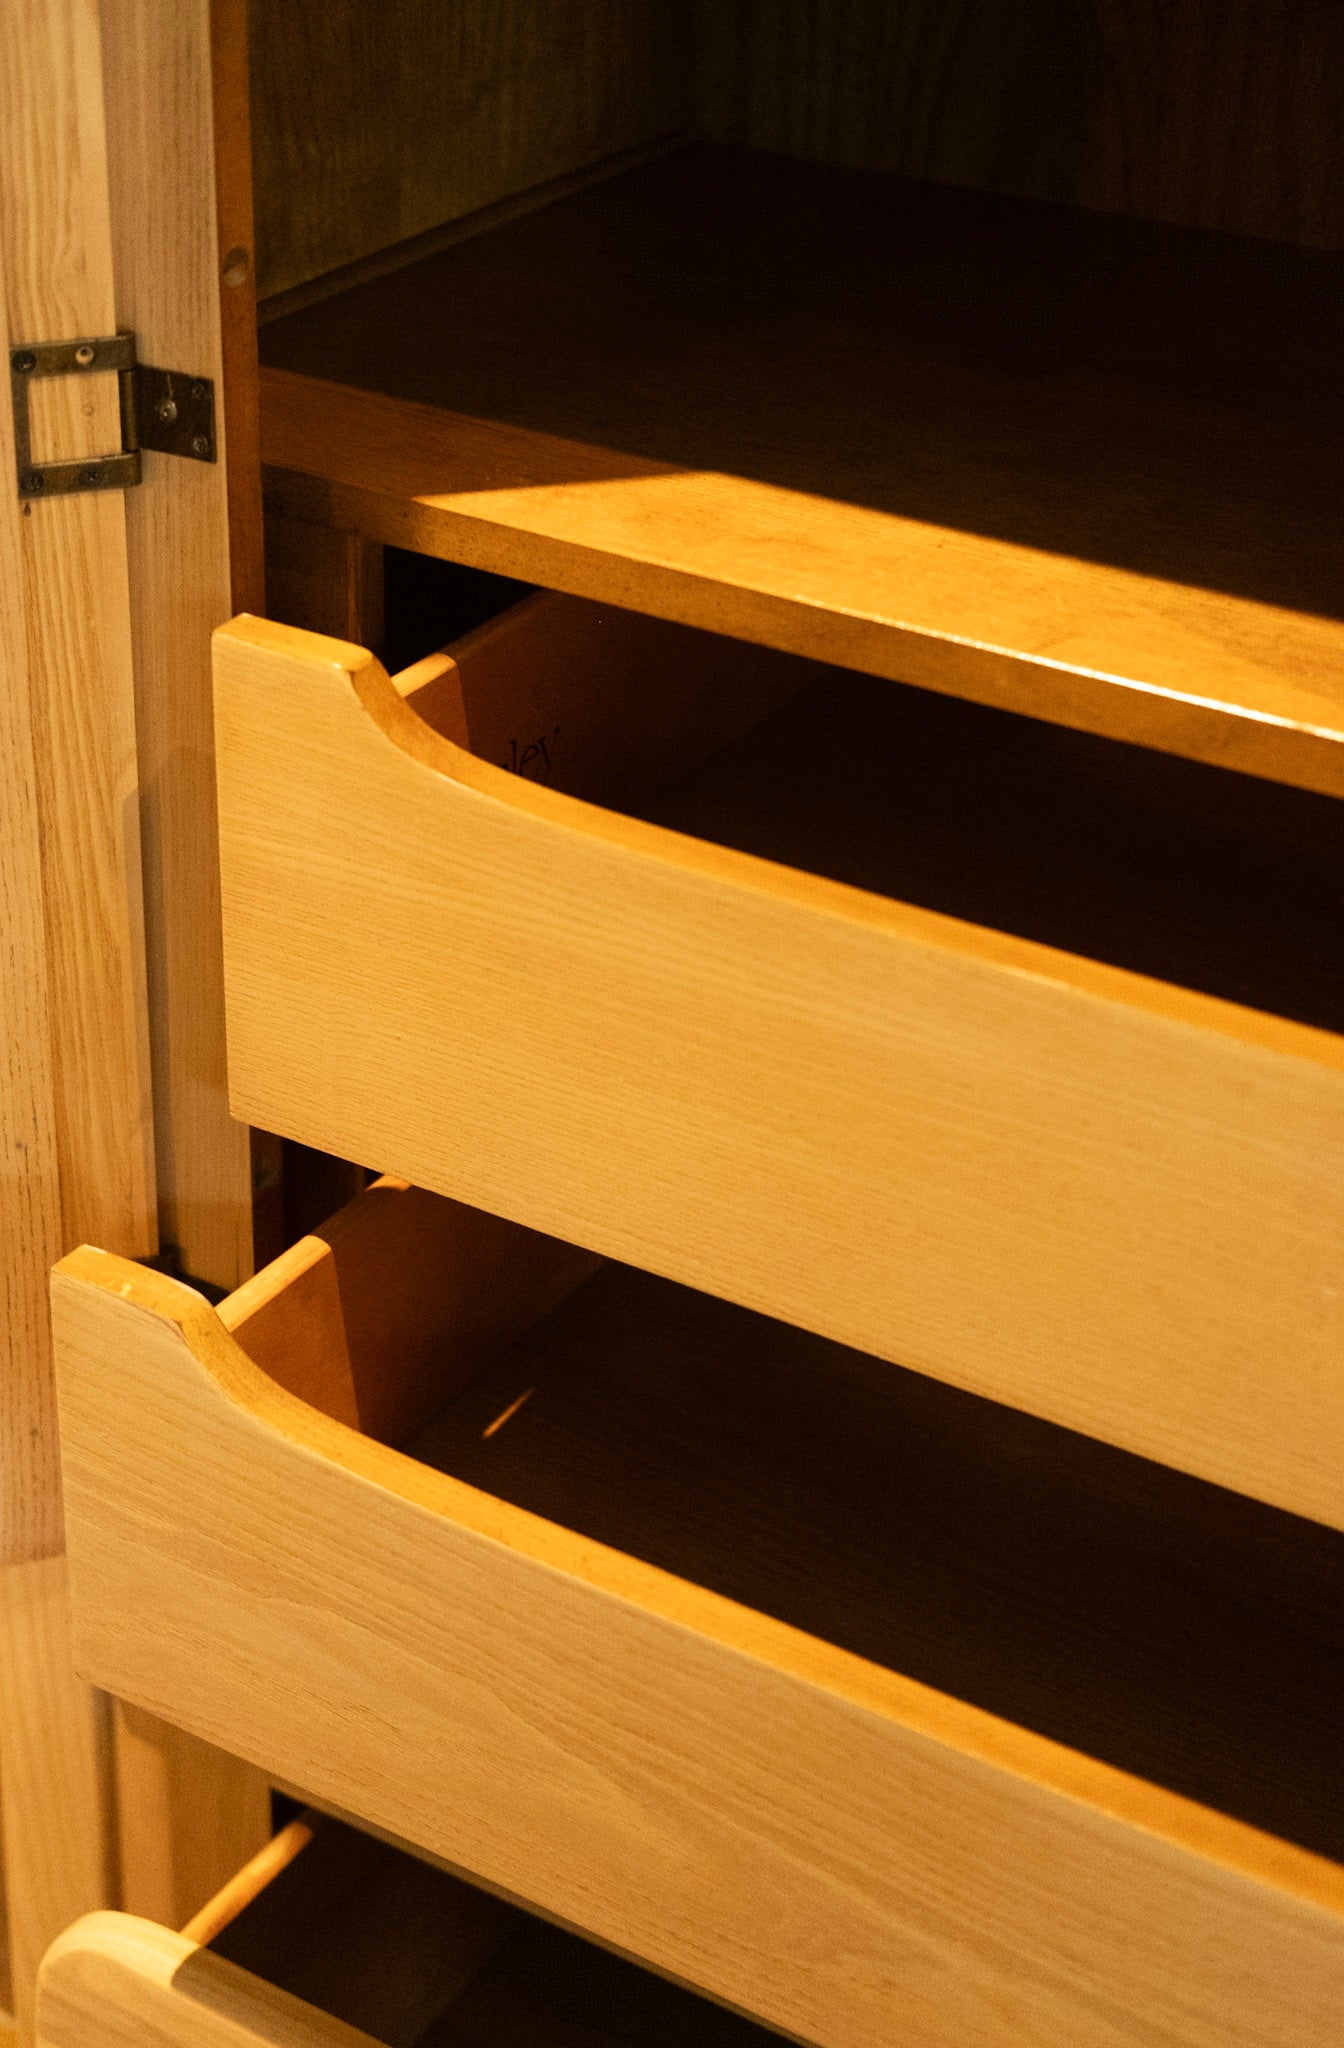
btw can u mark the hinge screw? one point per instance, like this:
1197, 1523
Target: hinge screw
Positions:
34, 480
199, 445
198, 392
23, 360
90, 476
166, 410
85, 354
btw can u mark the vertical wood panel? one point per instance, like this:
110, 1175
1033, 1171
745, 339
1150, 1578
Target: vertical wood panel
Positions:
78, 1135
373, 124
30, 1187
74, 1109
160, 161
236, 248
189, 1816
55, 1763
1216, 113
71, 586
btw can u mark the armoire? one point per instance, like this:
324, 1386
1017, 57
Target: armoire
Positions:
672, 945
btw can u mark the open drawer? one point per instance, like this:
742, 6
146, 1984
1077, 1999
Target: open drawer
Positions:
330, 1939
862, 1704
866, 1011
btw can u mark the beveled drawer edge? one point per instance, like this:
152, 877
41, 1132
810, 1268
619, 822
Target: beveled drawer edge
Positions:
115, 1981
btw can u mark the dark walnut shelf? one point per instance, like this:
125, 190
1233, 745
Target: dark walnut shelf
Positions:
1081, 467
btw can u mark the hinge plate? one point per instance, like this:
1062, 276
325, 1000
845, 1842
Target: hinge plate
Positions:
163, 410
175, 415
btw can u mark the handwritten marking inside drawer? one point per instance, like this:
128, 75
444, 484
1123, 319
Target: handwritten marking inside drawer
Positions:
533, 757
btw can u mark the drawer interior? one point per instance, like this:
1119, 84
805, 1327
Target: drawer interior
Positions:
1191, 874
1151, 1621
415, 1958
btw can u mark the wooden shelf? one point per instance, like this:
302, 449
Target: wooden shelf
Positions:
1080, 467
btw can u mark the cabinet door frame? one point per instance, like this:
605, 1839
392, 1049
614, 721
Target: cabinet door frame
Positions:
110, 967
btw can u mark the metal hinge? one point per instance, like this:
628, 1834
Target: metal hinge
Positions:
163, 410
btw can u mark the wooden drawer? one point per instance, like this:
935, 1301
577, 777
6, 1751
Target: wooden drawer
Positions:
860, 1703
1034, 1172
330, 1939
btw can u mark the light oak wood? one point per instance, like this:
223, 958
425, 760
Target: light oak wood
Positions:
827, 1843
340, 1925
187, 1815
420, 1960
916, 432
1096, 1196
123, 1982
56, 1771
100, 133
72, 778
31, 1237
490, 99
75, 1114
161, 162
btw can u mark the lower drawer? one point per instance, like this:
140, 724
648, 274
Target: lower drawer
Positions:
862, 1704
329, 1939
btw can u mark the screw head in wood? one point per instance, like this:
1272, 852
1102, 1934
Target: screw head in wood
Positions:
166, 410
85, 354
23, 360
199, 445
34, 480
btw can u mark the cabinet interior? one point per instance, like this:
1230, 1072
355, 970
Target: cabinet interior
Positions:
1063, 281
372, 129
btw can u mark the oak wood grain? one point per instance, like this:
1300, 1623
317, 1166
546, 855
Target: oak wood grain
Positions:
489, 99
56, 1769
1102, 1197
1210, 114
801, 1832
72, 799
373, 1938
121, 1981
419, 1959
161, 165
31, 1234
187, 1815
1076, 467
